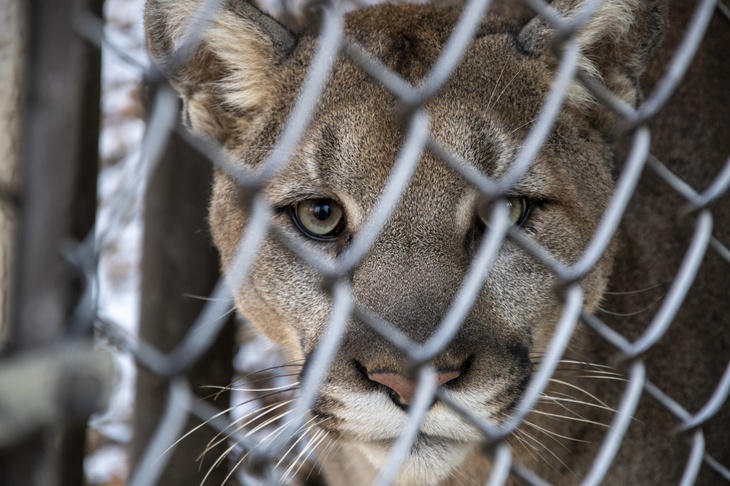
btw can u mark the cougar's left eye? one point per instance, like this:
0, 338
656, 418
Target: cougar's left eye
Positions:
518, 208
320, 219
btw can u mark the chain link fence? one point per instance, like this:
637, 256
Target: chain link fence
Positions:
52, 378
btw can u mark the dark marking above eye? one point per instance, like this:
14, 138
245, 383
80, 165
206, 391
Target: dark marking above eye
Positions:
405, 49
328, 146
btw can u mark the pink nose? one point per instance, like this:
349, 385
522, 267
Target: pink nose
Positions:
405, 388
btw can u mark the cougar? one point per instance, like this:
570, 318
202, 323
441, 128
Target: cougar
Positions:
239, 85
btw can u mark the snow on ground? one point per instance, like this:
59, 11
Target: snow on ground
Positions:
119, 233
118, 275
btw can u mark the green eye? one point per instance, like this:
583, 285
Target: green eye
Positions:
518, 208
320, 219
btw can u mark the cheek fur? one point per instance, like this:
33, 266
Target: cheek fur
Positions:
271, 303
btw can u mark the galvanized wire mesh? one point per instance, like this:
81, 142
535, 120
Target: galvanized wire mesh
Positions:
181, 402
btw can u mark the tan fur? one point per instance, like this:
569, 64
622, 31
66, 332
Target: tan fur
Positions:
241, 85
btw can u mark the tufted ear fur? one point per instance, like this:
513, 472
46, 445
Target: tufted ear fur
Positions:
616, 43
225, 81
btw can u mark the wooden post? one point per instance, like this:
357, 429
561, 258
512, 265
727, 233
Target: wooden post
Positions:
179, 263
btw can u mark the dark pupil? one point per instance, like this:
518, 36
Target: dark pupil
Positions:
322, 211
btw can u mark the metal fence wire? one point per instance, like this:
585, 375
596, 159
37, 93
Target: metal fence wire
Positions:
268, 437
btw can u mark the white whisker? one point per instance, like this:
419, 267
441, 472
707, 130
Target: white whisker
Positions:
208, 298
254, 390
333, 444
257, 414
633, 313
538, 442
494, 88
526, 446
630, 292
586, 363
575, 419
554, 435
301, 436
575, 387
580, 402
197, 427
267, 422
273, 435
312, 448
594, 377
293, 464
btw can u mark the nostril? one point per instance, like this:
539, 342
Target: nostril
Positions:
447, 376
404, 389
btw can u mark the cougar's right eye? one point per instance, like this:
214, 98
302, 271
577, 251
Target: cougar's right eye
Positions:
320, 219
518, 209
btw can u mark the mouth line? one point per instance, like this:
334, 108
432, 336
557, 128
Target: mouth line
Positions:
420, 441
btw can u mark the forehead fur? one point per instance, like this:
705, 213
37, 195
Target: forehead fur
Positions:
395, 34
495, 84
483, 114
495, 76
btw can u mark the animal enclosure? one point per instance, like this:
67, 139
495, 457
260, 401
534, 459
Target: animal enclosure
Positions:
185, 349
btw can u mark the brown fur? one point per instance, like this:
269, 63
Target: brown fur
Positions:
239, 88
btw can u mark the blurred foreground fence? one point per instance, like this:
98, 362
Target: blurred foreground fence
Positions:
52, 378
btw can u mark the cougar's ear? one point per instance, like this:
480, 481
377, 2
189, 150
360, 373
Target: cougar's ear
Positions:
616, 43
225, 81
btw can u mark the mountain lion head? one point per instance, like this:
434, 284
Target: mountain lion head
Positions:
402, 200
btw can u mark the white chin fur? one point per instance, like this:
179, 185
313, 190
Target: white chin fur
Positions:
429, 461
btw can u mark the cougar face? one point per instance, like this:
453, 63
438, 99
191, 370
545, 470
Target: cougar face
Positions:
239, 90
412, 273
